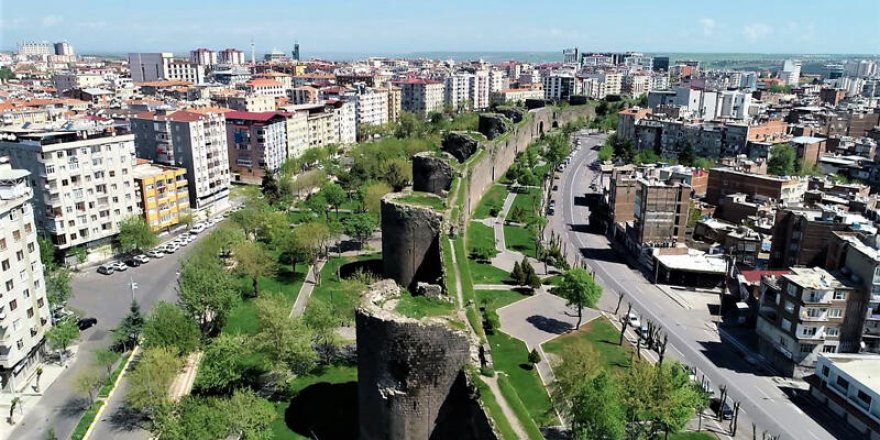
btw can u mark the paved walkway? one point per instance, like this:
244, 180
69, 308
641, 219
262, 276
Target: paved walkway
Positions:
506, 258
305, 292
511, 417
183, 383
458, 288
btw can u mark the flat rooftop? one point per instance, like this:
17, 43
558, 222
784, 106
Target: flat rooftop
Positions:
694, 261
865, 368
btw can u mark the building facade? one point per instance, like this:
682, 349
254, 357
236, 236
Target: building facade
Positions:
257, 143
162, 192
421, 96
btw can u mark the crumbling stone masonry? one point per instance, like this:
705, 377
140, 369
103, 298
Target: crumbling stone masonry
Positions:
411, 379
459, 145
410, 242
493, 125
432, 172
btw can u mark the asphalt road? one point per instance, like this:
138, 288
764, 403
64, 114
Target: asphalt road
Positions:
694, 341
106, 297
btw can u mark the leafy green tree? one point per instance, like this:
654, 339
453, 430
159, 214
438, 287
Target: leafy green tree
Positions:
62, 334
596, 410
517, 274
312, 157
308, 180
87, 382
580, 290
409, 125
398, 173
360, 226
606, 153
169, 327
334, 195
128, 331
222, 240
249, 415
106, 359
314, 238
136, 234
783, 160
186, 220
79, 253
47, 253
659, 398
534, 357
645, 156
323, 321
223, 364
318, 205
270, 188
58, 289
687, 155
207, 293
148, 383
373, 195
194, 418
253, 262
286, 342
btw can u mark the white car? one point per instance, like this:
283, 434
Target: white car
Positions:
634, 321
197, 228
141, 258
170, 248
156, 253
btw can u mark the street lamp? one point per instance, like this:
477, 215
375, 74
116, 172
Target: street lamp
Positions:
133, 286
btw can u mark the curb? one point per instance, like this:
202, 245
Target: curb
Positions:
106, 400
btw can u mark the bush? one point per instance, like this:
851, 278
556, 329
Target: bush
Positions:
483, 253
492, 321
487, 371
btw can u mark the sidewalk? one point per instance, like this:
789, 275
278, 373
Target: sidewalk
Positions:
27, 393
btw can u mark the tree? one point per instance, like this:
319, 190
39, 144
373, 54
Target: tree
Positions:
135, 234
207, 293
47, 253
58, 289
286, 342
253, 262
222, 240
270, 189
782, 160
580, 290
606, 153
596, 411
317, 204
334, 195
308, 180
533, 281
186, 220
223, 363
79, 253
148, 383
88, 382
169, 327
687, 155
249, 415
373, 195
659, 398
62, 334
360, 226
313, 237
128, 331
13, 404
517, 274
105, 359
398, 173
409, 125
534, 357
323, 321
39, 372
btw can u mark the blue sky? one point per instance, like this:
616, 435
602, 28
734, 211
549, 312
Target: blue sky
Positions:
380, 26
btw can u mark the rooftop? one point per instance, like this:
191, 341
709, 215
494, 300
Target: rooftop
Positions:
813, 277
865, 368
806, 139
694, 261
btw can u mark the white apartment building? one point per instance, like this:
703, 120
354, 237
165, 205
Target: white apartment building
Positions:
346, 121
660, 82
24, 309
497, 81
372, 107
69, 80
35, 48
146, 67
479, 89
251, 103
84, 183
421, 96
558, 86
63, 48
266, 87
297, 133
203, 57
185, 71
233, 57
734, 104
847, 385
323, 127
457, 90
791, 72
191, 139
636, 85
613, 83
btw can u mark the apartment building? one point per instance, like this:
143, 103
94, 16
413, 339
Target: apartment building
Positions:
394, 103
801, 236
371, 106
24, 309
303, 95
847, 385
297, 126
636, 85
346, 121
68, 80
162, 193
421, 96
660, 212
84, 180
860, 262
265, 87
257, 103
516, 96
558, 86
760, 187
800, 317
190, 139
233, 57
479, 89
203, 57
457, 91
145, 67
257, 143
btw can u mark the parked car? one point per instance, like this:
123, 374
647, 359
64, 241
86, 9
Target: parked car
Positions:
156, 253
551, 210
132, 262
106, 269
142, 258
634, 321
197, 228
170, 248
721, 408
85, 323
119, 266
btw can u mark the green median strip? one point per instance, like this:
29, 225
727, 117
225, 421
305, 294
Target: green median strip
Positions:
86, 420
516, 404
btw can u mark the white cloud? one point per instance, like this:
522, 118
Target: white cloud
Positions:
756, 31
51, 20
708, 25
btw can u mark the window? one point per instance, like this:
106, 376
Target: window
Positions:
19, 344
30, 312
864, 397
40, 302
2, 244
31, 247
839, 295
809, 331
16, 234
842, 383
789, 306
832, 331
19, 255
9, 286
13, 305
835, 313
5, 264
825, 369
786, 325
807, 348
829, 349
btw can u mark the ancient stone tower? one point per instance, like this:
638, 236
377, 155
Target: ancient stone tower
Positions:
410, 241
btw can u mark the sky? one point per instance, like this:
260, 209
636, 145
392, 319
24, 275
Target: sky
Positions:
394, 27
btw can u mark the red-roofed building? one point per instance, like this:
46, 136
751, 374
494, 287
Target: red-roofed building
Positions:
257, 143
265, 87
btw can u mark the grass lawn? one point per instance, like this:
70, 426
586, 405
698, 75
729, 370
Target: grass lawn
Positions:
482, 273
242, 319
692, 436
553, 280
603, 337
511, 357
424, 199
247, 191
496, 299
479, 236
520, 239
418, 307
494, 198
522, 413
542, 170
331, 374
344, 294
507, 432
528, 199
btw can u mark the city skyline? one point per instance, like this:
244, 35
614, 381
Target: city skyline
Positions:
753, 27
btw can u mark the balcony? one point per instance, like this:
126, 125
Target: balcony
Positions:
816, 298
806, 317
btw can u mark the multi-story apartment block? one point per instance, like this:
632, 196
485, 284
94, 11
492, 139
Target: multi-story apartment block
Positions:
800, 317
517, 96
346, 121
801, 236
195, 140
858, 261
636, 85
479, 89
421, 96
791, 72
203, 57
847, 385
497, 81
297, 133
265, 87
457, 91
660, 212
85, 183
69, 80
371, 107
724, 181
394, 103
233, 57
35, 48
257, 143
251, 103
24, 309
162, 192
145, 67
185, 71
558, 86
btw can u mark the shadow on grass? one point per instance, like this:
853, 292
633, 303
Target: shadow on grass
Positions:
325, 410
